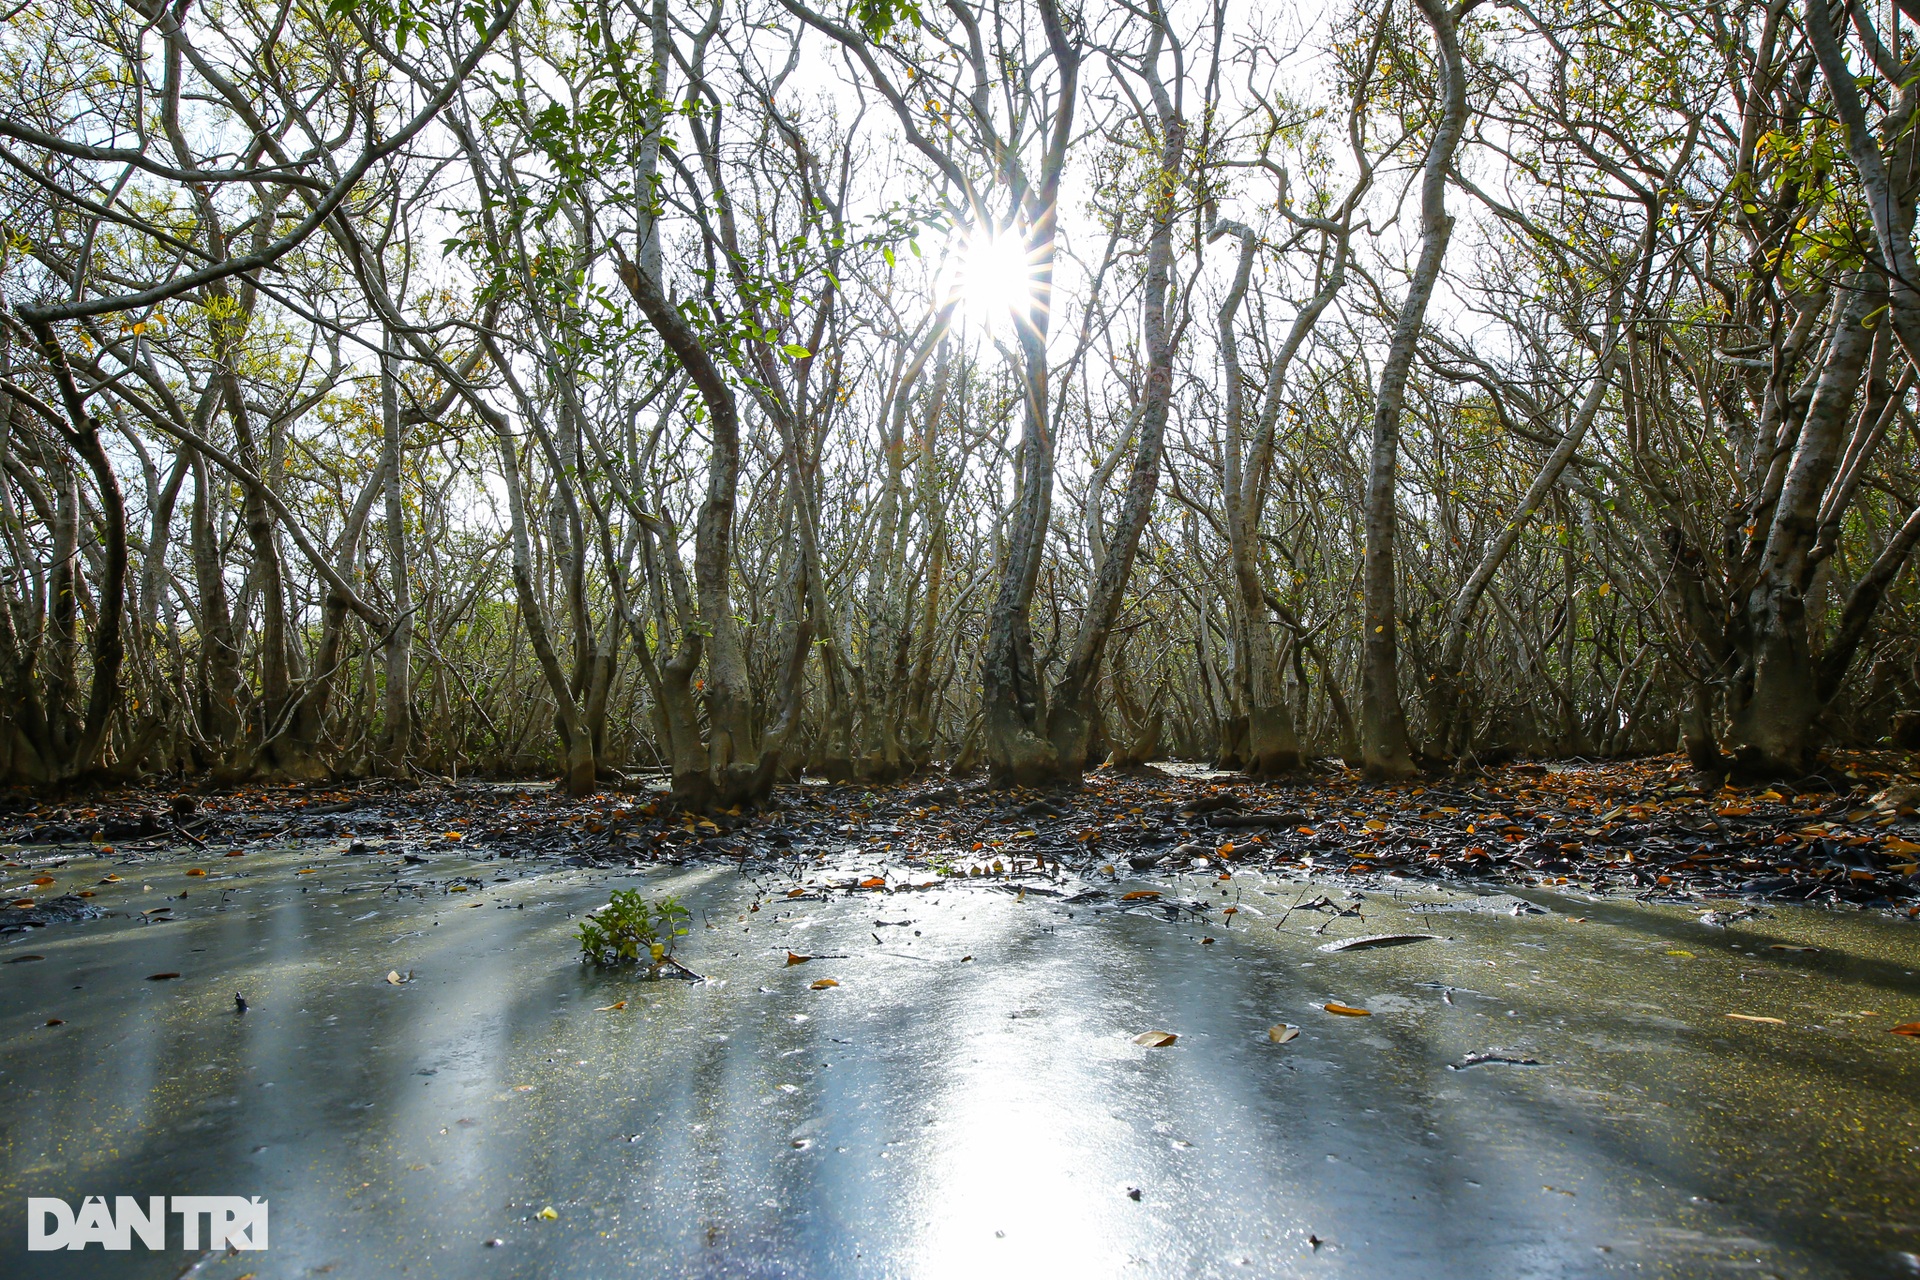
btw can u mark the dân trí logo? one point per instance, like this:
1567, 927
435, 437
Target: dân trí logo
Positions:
231, 1221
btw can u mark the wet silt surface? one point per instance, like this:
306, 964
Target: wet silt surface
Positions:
969, 1098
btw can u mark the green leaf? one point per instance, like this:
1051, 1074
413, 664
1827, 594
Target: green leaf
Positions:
797, 351
879, 17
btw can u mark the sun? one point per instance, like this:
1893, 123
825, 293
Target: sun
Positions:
994, 276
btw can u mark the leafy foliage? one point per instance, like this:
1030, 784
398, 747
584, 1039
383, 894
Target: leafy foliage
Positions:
629, 929
878, 18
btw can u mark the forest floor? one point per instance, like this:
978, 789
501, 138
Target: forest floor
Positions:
1178, 1023
1642, 828
944, 1031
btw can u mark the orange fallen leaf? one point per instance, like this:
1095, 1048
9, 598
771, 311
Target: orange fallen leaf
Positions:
1139, 894
794, 957
1906, 1029
796, 893
821, 984
196, 871
618, 1004
23, 903
873, 882
1347, 1010
451, 835
1155, 1039
43, 881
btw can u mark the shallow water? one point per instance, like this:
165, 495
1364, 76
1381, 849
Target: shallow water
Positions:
937, 1116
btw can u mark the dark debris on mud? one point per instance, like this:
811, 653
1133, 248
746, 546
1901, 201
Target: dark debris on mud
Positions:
1646, 828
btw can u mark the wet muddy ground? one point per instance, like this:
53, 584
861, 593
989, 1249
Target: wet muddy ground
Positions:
426, 1082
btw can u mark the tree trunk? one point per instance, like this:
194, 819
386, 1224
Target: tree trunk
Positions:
1773, 725
1385, 750
399, 643
1070, 720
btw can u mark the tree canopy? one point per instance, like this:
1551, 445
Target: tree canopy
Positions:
737, 388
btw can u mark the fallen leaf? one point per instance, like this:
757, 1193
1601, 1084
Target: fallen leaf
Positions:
1906, 1029
235, 853
547, 1213
618, 1004
306, 871
821, 984
43, 881
1379, 940
393, 976
1155, 1039
1347, 1010
451, 835
794, 957
161, 977
873, 882
1282, 1033
796, 893
196, 871
1139, 894
22, 903
109, 879
1754, 1017
23, 959
1788, 946
56, 1022
1897, 845
1684, 955
1374, 824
